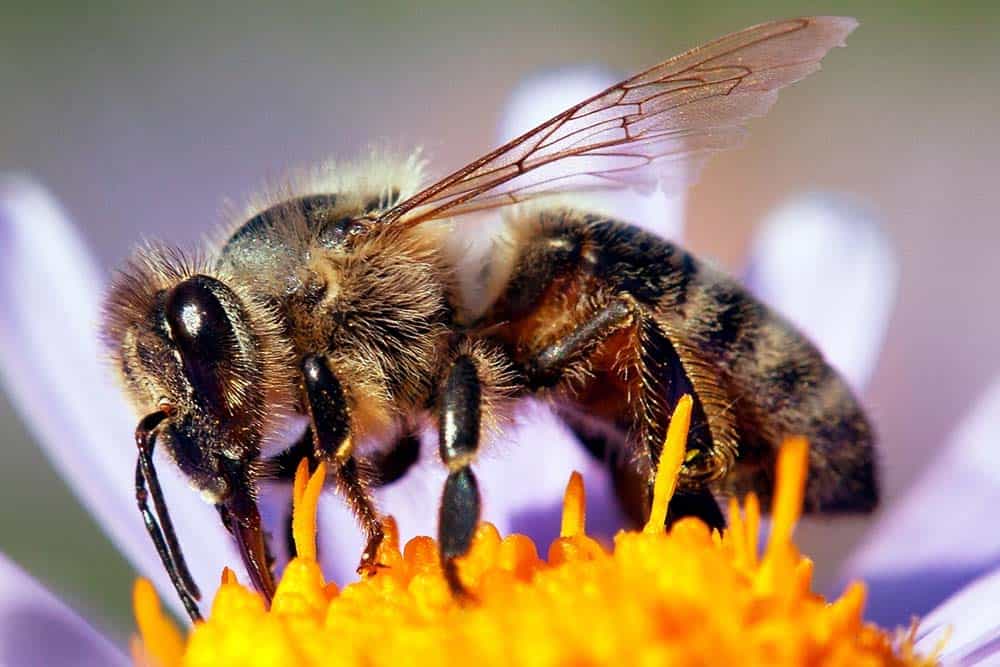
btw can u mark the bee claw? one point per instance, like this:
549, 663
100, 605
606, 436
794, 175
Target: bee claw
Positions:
366, 569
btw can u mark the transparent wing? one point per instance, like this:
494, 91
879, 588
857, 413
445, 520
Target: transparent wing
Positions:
656, 127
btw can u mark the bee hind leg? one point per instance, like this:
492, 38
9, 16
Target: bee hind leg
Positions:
661, 380
632, 487
697, 503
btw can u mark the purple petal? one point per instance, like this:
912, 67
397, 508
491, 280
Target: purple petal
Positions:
541, 96
823, 262
37, 629
972, 616
939, 535
522, 477
52, 368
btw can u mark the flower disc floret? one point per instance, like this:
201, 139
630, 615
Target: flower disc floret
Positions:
689, 596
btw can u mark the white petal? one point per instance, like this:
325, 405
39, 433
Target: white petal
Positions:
940, 535
546, 94
972, 617
823, 262
36, 628
52, 368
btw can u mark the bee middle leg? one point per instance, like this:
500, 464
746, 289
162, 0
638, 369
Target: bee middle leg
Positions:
459, 414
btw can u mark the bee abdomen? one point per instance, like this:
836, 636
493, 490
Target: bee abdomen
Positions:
755, 379
842, 466
786, 388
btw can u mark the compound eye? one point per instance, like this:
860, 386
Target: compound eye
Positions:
203, 332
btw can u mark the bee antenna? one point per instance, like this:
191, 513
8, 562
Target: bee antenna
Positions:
161, 531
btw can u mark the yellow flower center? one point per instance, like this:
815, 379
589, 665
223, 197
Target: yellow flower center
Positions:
687, 597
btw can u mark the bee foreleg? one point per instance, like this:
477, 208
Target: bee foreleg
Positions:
378, 469
330, 422
459, 414
328, 414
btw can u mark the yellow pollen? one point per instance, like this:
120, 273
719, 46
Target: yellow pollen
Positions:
162, 642
687, 597
574, 513
305, 499
671, 458
793, 465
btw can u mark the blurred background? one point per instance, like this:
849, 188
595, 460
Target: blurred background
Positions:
141, 119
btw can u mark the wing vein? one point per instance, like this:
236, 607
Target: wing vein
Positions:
685, 108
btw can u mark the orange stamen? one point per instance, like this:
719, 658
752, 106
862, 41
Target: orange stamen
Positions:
162, 643
574, 514
305, 502
300, 481
752, 527
671, 458
793, 465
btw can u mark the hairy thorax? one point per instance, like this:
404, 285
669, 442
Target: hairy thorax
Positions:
377, 306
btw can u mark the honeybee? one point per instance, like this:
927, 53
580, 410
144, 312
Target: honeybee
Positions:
344, 302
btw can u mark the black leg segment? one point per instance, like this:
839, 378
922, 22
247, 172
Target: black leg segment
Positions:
390, 465
459, 420
330, 424
379, 469
699, 503
383, 467
327, 406
460, 413
457, 520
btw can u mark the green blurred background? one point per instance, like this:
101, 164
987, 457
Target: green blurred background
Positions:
141, 117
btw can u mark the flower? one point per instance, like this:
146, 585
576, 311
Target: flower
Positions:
909, 572
37, 629
87, 432
683, 597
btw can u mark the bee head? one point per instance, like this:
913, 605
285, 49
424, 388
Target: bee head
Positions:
186, 343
